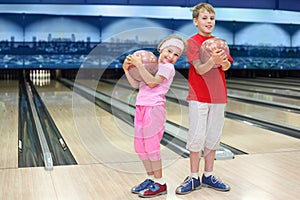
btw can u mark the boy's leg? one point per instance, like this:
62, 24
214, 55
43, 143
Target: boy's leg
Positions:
209, 158
196, 136
215, 123
214, 132
191, 182
194, 161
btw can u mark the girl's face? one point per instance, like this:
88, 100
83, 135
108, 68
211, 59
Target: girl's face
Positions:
205, 22
169, 54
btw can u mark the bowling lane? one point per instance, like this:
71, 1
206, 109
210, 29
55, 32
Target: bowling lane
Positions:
255, 95
92, 134
9, 108
266, 98
282, 117
239, 135
291, 83
283, 92
58, 101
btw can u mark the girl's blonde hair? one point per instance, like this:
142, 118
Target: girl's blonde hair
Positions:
200, 7
171, 37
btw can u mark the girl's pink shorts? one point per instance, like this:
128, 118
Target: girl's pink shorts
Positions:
148, 131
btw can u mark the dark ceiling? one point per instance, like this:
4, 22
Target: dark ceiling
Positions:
290, 5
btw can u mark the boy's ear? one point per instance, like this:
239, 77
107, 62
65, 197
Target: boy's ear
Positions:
195, 21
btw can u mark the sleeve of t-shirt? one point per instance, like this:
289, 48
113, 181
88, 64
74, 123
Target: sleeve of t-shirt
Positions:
193, 49
165, 70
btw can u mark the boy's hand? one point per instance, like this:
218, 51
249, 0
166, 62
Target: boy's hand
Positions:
219, 56
225, 65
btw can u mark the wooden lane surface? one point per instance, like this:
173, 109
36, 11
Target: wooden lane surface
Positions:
58, 100
257, 95
254, 88
92, 134
9, 108
242, 136
259, 112
269, 176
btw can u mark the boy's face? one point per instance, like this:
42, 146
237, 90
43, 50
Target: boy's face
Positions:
205, 22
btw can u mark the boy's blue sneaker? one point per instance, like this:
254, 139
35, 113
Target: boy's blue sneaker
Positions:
188, 185
215, 183
144, 185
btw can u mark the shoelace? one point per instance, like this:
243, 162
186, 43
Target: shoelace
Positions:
216, 179
186, 181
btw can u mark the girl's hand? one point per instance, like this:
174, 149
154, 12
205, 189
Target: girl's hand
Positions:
136, 60
126, 63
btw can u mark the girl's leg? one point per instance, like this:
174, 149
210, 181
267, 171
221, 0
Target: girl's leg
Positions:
157, 169
148, 167
153, 134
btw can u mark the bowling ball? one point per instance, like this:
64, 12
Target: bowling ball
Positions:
150, 62
211, 44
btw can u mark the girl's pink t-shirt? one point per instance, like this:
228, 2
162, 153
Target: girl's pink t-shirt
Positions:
156, 96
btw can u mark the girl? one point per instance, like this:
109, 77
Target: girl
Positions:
150, 114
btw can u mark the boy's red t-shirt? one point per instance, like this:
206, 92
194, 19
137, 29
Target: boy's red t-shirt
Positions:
209, 87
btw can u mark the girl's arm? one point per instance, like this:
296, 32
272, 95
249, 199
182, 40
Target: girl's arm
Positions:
149, 79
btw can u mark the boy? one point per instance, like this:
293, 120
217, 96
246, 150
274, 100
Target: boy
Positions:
207, 99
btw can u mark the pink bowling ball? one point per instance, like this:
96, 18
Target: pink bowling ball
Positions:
150, 62
209, 45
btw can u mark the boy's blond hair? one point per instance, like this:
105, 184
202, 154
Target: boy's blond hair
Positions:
200, 7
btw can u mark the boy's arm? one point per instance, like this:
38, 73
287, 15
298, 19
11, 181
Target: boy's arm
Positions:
202, 68
218, 57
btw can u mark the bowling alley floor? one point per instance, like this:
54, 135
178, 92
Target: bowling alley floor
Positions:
268, 176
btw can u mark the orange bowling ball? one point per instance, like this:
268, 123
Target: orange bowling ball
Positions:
150, 62
209, 45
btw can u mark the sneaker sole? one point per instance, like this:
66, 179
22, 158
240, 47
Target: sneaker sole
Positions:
183, 193
161, 193
222, 190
